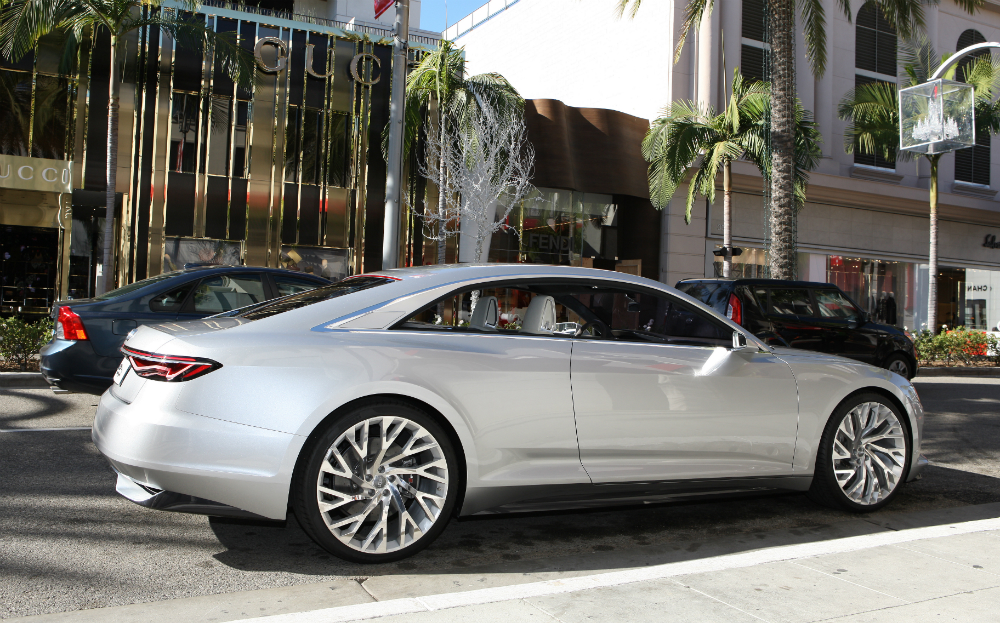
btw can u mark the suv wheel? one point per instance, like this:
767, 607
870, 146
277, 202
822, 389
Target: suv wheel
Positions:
900, 365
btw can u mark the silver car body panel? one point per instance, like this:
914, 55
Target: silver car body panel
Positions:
233, 436
651, 412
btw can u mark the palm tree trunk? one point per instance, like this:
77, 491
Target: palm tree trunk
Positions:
727, 219
107, 263
932, 256
781, 26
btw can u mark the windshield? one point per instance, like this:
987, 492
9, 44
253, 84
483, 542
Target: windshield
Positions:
711, 293
132, 287
295, 301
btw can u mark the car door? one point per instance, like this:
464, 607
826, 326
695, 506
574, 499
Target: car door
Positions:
661, 395
223, 292
494, 355
845, 326
790, 311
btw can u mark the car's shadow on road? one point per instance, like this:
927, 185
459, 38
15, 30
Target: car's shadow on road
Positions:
623, 537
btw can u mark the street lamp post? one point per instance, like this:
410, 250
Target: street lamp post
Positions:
394, 164
935, 118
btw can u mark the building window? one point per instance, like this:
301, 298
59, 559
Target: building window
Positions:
183, 133
315, 140
753, 63
874, 61
15, 112
972, 165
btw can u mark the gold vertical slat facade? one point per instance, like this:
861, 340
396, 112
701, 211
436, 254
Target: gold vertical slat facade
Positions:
145, 169
161, 151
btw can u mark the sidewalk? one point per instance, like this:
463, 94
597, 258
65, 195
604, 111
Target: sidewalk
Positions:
946, 573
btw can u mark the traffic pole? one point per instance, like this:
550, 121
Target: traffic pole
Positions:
394, 166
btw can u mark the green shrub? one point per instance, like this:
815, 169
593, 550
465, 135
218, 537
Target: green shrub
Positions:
958, 346
20, 341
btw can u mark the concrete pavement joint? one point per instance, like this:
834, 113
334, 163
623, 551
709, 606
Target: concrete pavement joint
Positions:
837, 577
617, 578
954, 562
724, 603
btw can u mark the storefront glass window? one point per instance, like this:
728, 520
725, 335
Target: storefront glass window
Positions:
183, 133
750, 264
559, 227
982, 299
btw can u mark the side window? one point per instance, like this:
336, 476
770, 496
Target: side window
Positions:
507, 310
647, 317
292, 285
833, 305
170, 301
790, 302
226, 292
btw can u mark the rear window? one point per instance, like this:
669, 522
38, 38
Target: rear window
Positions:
295, 301
711, 293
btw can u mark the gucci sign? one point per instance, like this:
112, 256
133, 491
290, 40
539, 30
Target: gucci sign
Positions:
36, 174
282, 61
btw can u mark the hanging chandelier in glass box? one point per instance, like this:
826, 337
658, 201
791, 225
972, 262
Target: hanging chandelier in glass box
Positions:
936, 117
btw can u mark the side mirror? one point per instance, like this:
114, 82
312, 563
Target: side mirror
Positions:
739, 342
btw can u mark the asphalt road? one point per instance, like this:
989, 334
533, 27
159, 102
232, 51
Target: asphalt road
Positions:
68, 542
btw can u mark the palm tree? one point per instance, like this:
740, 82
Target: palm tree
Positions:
687, 132
906, 16
872, 112
24, 22
439, 80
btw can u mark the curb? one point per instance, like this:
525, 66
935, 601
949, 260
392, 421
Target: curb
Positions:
958, 371
23, 380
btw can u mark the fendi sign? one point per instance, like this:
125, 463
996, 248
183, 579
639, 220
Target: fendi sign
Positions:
282, 62
36, 174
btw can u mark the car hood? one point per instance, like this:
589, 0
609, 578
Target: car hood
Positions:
812, 356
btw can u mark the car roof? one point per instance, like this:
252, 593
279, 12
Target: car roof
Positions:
764, 282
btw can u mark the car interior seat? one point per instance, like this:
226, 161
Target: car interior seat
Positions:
486, 315
540, 317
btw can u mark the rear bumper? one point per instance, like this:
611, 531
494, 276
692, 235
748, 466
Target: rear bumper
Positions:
202, 464
75, 366
175, 502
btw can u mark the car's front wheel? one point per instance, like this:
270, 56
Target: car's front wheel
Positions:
378, 484
863, 455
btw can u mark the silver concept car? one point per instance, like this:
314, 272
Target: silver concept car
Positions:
377, 408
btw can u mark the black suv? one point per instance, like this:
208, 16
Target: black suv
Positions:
807, 315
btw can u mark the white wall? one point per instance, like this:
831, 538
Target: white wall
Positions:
578, 52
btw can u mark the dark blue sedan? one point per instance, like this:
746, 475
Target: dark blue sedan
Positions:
84, 352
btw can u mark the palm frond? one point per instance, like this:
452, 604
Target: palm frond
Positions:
694, 12
814, 29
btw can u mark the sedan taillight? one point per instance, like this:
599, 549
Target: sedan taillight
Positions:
69, 326
168, 367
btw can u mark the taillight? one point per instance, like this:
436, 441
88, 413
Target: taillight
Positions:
69, 326
734, 311
168, 367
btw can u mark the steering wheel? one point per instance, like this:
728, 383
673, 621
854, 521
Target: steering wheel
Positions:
600, 329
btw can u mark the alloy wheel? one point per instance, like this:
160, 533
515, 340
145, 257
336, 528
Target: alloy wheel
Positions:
382, 485
899, 367
869, 453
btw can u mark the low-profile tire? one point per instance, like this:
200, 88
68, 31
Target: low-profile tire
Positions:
377, 484
862, 472
901, 365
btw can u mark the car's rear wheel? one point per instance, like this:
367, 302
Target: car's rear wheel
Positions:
900, 365
378, 484
863, 455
